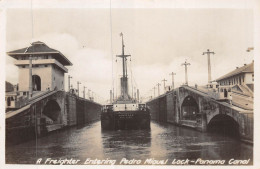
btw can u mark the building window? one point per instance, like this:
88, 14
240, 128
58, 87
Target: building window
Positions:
46, 65
23, 66
253, 77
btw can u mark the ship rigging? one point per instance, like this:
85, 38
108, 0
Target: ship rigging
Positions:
125, 112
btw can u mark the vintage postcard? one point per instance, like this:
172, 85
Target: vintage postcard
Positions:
113, 84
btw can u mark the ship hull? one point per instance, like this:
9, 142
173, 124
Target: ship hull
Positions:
125, 120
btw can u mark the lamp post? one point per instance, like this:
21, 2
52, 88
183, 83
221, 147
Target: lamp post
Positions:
69, 77
78, 83
209, 65
186, 74
172, 79
164, 80
158, 84
84, 92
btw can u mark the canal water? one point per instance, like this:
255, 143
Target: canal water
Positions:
163, 141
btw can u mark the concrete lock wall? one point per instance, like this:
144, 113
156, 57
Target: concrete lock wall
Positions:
159, 110
171, 108
87, 111
154, 109
168, 108
81, 111
71, 109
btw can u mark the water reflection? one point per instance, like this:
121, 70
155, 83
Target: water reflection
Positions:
163, 141
128, 144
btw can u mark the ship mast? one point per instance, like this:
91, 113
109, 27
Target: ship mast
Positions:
124, 80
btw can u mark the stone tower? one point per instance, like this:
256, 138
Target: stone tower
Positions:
48, 68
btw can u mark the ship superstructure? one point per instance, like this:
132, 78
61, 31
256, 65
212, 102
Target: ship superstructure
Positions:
125, 112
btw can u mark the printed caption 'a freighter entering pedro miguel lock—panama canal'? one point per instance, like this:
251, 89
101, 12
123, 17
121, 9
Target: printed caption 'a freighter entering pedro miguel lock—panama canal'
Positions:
108, 86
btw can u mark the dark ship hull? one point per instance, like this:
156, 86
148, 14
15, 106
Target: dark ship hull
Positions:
125, 120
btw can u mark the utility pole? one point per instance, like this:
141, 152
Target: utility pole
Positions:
158, 88
164, 80
209, 66
134, 93
186, 75
154, 91
78, 83
30, 77
172, 79
69, 77
137, 95
89, 93
111, 97
84, 92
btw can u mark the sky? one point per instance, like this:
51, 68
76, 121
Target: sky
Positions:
159, 41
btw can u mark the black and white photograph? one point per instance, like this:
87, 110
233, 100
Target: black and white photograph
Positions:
117, 84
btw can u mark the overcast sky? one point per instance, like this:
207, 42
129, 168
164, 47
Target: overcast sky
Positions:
159, 41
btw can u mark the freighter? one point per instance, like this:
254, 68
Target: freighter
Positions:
125, 112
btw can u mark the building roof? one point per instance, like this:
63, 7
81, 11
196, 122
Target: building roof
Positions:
40, 48
244, 69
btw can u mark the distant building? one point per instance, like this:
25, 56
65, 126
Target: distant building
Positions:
240, 76
241, 79
48, 67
